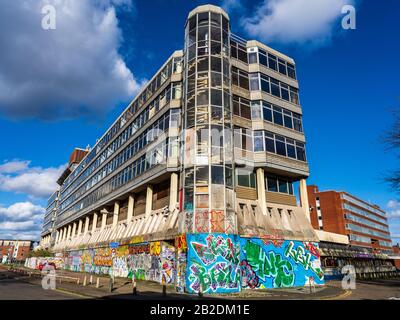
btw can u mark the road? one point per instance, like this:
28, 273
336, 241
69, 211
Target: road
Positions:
379, 289
14, 289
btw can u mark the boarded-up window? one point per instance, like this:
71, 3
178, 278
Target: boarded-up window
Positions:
161, 195
140, 203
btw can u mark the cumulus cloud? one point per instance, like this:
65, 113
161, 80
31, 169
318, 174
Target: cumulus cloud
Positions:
295, 22
72, 71
230, 5
34, 181
13, 166
22, 220
394, 209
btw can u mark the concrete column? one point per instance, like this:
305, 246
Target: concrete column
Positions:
65, 233
94, 225
116, 213
69, 232
80, 227
131, 203
173, 191
60, 236
304, 198
87, 225
104, 220
74, 230
149, 200
262, 200
57, 235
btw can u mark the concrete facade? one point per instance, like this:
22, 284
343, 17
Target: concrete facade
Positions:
204, 157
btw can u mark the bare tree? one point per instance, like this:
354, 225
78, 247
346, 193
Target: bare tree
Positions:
392, 141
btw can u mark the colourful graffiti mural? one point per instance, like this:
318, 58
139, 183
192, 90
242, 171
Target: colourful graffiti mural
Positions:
213, 263
278, 264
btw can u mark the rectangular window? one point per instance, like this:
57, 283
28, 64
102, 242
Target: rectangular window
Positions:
280, 145
300, 150
272, 185
278, 116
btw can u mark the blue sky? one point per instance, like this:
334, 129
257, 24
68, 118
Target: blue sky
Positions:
62, 88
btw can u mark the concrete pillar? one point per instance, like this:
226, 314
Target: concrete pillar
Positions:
73, 229
80, 227
173, 191
57, 236
149, 200
94, 225
116, 213
86, 225
304, 198
65, 233
262, 200
104, 219
131, 203
60, 236
69, 232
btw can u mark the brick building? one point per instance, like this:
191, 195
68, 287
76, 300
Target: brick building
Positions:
365, 224
15, 250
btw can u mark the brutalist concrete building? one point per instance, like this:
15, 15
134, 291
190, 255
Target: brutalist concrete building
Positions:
193, 183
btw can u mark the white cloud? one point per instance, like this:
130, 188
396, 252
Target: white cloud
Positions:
34, 181
74, 70
22, 210
295, 21
14, 166
230, 5
394, 209
21, 220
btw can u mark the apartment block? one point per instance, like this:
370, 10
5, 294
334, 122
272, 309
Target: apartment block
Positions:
196, 175
365, 224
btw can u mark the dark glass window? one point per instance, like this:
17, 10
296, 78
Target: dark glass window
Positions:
192, 23
291, 152
269, 142
288, 119
278, 116
216, 64
215, 19
283, 186
282, 66
297, 123
265, 84
216, 97
280, 145
217, 174
285, 92
290, 185
202, 64
215, 33
272, 184
267, 112
275, 88
225, 23
262, 57
301, 152
291, 71
203, 18
272, 63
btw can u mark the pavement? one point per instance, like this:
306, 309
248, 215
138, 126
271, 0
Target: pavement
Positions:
69, 285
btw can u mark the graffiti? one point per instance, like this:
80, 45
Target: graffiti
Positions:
217, 246
180, 242
314, 250
277, 264
217, 221
249, 277
155, 248
270, 265
103, 257
137, 239
167, 263
300, 256
120, 267
213, 263
201, 221
139, 248
180, 270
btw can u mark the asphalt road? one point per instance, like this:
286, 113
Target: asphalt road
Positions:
13, 289
380, 289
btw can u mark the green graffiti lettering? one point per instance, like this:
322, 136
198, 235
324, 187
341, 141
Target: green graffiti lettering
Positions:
269, 266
